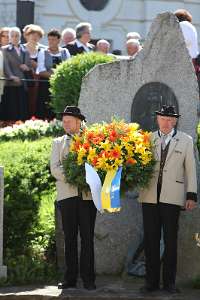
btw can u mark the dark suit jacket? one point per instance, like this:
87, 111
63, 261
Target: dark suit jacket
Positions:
12, 62
74, 49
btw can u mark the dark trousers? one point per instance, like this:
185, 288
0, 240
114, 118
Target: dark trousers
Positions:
78, 214
156, 217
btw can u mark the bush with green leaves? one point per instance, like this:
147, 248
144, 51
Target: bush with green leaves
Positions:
65, 83
29, 234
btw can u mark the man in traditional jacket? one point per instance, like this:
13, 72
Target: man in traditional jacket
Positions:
77, 209
172, 187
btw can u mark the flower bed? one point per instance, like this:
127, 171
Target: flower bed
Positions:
31, 129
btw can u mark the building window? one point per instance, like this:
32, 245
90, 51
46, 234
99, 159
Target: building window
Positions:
95, 5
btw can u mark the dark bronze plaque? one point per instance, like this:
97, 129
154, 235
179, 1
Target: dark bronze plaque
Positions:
94, 4
149, 98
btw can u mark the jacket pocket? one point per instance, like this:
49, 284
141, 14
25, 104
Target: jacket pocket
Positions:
178, 151
178, 181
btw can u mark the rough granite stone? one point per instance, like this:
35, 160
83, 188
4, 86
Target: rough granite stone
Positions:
109, 90
3, 269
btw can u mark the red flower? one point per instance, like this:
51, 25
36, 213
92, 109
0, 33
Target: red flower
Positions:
115, 153
113, 136
94, 161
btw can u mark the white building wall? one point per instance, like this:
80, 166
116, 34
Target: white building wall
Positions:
113, 23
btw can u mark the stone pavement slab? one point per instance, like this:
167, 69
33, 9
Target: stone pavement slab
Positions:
107, 289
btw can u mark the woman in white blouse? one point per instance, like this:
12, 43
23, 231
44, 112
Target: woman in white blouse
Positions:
48, 59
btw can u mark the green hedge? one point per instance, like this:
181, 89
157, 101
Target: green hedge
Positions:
65, 83
29, 242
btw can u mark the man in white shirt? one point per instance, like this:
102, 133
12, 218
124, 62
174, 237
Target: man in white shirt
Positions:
103, 46
190, 36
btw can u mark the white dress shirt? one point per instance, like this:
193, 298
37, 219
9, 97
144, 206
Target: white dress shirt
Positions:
41, 59
168, 136
79, 45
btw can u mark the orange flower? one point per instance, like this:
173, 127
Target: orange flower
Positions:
101, 136
90, 135
77, 145
86, 146
105, 154
146, 138
96, 140
131, 161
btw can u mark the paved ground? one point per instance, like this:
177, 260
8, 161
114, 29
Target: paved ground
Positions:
107, 289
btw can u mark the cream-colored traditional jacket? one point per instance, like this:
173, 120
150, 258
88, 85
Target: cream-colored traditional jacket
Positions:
179, 173
60, 149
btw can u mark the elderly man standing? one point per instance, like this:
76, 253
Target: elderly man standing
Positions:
77, 209
133, 47
103, 46
173, 186
81, 43
68, 36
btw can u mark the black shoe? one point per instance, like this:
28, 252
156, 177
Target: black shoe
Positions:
66, 285
149, 289
89, 286
171, 289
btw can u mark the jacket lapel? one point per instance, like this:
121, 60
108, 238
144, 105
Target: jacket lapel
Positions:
172, 146
64, 147
15, 55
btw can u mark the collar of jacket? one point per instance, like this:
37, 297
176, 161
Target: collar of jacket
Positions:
175, 132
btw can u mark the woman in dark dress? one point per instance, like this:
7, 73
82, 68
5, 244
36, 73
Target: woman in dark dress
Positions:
48, 59
16, 62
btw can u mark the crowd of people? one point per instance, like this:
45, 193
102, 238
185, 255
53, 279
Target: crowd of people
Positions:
25, 68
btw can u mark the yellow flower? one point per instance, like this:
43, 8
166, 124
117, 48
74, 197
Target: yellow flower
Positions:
92, 154
133, 126
81, 154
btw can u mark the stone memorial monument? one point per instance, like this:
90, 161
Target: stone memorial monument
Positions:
3, 269
162, 73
